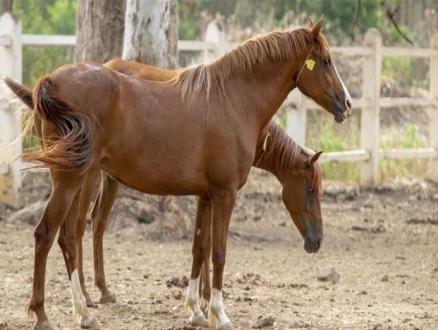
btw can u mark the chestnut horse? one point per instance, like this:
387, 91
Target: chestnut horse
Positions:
278, 139
94, 117
285, 149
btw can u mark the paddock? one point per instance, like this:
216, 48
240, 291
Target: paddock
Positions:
382, 242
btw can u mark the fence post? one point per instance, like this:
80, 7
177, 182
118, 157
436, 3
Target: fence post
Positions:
10, 116
296, 118
214, 35
433, 121
370, 115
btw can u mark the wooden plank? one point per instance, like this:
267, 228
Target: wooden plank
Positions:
408, 153
345, 156
48, 40
5, 40
10, 116
296, 118
387, 102
370, 115
433, 114
351, 51
70, 41
409, 52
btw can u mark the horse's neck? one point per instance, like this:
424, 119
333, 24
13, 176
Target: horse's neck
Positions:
263, 89
285, 151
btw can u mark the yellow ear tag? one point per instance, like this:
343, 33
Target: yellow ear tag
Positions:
310, 64
266, 141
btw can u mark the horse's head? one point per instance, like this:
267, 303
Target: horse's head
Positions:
318, 78
302, 197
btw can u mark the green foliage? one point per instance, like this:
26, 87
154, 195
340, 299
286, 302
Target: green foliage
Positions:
409, 138
332, 139
407, 71
45, 17
339, 14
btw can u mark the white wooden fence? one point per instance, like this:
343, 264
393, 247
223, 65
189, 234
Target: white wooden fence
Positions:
12, 41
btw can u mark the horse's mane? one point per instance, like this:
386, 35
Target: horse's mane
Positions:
278, 46
282, 152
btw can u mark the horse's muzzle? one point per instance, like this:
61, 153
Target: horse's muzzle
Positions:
343, 111
312, 243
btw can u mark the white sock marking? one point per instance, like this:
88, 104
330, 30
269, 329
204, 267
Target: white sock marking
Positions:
192, 299
216, 313
78, 299
80, 310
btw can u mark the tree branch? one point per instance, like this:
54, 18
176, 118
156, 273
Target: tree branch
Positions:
390, 12
356, 15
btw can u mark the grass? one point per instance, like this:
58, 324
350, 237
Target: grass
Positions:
324, 134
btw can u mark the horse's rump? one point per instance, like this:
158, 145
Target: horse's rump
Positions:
70, 147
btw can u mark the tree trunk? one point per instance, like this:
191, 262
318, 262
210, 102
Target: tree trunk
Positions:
5, 6
151, 32
99, 30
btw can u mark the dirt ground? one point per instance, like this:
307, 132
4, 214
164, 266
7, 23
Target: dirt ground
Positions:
383, 242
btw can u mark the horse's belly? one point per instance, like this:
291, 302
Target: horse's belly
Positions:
152, 177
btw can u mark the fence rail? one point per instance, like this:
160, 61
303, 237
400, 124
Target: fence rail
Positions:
214, 44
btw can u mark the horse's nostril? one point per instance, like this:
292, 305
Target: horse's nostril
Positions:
318, 243
349, 104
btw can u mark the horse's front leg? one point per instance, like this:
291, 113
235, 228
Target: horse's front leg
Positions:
199, 248
222, 207
205, 285
99, 217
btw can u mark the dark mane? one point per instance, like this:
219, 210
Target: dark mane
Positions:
283, 152
278, 46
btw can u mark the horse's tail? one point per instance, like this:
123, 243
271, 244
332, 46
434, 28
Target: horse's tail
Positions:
72, 149
24, 93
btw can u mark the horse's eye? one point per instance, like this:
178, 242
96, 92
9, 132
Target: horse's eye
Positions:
327, 61
311, 191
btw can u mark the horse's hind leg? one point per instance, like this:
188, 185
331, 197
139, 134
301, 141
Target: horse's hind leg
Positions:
67, 242
64, 189
200, 239
84, 204
99, 216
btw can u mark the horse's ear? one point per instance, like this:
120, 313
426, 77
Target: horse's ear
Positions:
314, 158
309, 22
316, 29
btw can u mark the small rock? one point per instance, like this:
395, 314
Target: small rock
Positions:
179, 283
328, 274
177, 295
298, 325
264, 321
385, 278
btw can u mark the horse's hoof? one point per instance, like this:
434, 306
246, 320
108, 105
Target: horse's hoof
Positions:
107, 299
89, 321
226, 326
43, 326
204, 306
88, 300
198, 321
